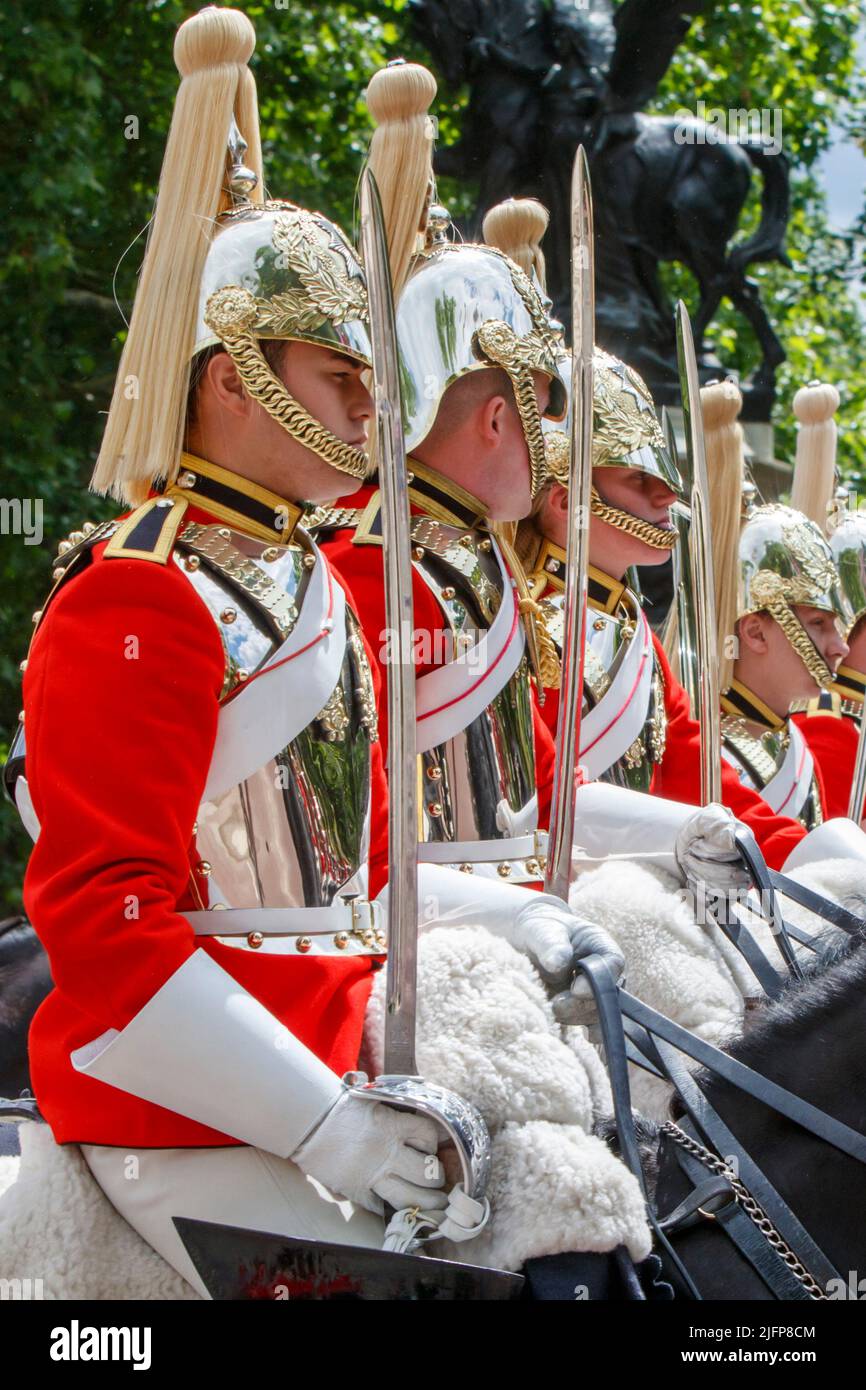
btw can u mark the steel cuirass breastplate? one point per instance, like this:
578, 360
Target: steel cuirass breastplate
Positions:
294, 831
478, 784
609, 647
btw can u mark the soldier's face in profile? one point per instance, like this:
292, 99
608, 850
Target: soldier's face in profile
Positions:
332, 389
768, 664
233, 429
824, 633
644, 496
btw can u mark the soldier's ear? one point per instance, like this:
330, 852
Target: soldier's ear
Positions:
752, 632
225, 387
559, 498
492, 418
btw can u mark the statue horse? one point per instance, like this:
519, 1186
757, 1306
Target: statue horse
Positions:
546, 77
25, 980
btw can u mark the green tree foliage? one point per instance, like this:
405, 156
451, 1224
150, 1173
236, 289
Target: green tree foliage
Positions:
88, 89
797, 58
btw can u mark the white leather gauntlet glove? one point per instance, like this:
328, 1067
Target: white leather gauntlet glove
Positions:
707, 855
536, 924
555, 940
374, 1154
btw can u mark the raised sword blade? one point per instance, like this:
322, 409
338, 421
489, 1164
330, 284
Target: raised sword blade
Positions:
237, 1264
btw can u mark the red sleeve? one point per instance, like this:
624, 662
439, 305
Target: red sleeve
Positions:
121, 700
832, 741
678, 777
545, 758
549, 711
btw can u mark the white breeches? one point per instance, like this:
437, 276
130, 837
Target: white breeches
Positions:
234, 1186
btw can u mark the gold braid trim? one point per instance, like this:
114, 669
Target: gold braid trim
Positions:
542, 649
645, 531
527, 407
517, 356
270, 393
801, 642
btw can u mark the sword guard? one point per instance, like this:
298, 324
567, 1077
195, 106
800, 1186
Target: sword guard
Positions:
461, 1121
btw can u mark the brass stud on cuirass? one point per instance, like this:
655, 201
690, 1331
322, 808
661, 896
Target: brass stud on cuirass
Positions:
417, 552
504, 870
303, 944
191, 562
254, 940
434, 773
228, 615
270, 553
341, 940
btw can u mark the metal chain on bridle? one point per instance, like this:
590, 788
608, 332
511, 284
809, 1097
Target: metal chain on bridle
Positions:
746, 1201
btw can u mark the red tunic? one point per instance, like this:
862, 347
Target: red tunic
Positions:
117, 756
678, 775
832, 738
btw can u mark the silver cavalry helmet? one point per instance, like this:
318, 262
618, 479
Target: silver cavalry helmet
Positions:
625, 434
848, 548
785, 560
468, 307
279, 271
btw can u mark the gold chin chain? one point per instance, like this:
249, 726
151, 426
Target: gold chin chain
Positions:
517, 356
645, 531
527, 407
270, 393
801, 642
542, 649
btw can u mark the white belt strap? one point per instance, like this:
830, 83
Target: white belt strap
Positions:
787, 790
484, 851
343, 915
612, 726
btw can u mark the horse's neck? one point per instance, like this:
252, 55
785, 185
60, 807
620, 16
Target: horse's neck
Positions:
814, 1045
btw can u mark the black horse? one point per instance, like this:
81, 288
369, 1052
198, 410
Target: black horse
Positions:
25, 980
812, 1042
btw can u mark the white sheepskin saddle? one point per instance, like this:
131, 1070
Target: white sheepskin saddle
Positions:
485, 1029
